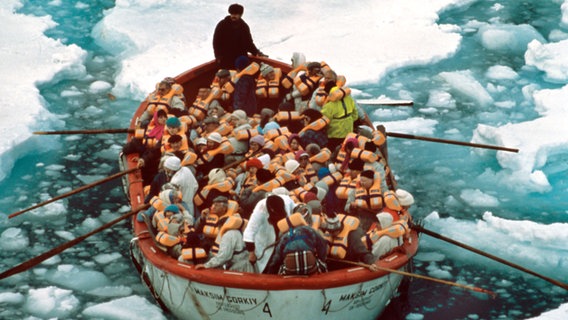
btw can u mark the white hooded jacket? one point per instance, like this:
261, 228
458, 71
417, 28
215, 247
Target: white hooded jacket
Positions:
261, 233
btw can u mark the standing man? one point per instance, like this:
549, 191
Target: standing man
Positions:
232, 38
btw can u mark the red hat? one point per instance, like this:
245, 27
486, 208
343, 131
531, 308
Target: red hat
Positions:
254, 162
299, 154
310, 196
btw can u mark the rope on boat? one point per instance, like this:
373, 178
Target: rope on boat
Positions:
325, 301
261, 302
166, 283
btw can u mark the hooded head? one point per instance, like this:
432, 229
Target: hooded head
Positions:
405, 198
173, 122
259, 139
215, 137
291, 166
172, 163
254, 162
275, 208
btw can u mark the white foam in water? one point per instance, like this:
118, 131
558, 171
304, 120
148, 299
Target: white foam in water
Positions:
129, 308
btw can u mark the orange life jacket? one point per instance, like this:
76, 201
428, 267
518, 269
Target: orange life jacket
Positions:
189, 159
307, 84
365, 155
290, 222
233, 222
280, 180
245, 134
346, 184
371, 199
223, 186
269, 89
140, 133
195, 255
225, 147
321, 157
397, 229
321, 95
157, 102
251, 69
288, 79
287, 116
277, 132
212, 227
317, 125
167, 147
339, 244
332, 179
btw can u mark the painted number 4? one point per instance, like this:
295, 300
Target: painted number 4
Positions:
325, 307
266, 309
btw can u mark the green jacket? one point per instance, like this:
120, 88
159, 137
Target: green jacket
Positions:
341, 114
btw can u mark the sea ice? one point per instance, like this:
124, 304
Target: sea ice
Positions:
77, 278
51, 302
129, 308
14, 239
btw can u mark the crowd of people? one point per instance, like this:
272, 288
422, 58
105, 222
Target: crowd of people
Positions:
267, 170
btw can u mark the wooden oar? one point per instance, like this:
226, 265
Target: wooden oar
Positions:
44, 256
490, 256
459, 143
414, 275
385, 102
72, 192
96, 131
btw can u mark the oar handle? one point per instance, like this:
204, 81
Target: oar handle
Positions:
421, 229
96, 131
44, 256
72, 192
459, 143
419, 276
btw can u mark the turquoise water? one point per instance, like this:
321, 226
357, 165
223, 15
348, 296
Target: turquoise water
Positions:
431, 171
